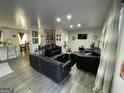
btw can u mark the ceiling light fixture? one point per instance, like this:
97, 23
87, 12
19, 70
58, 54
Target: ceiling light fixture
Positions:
58, 19
71, 26
69, 16
79, 25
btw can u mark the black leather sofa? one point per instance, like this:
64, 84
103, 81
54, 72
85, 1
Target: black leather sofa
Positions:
51, 50
52, 68
88, 62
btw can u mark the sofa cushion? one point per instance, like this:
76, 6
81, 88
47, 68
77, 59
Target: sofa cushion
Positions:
95, 53
62, 58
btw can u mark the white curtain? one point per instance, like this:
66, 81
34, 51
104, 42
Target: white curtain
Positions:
108, 53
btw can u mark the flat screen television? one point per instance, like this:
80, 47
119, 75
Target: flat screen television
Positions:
82, 36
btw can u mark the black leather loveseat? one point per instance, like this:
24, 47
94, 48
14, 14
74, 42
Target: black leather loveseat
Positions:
53, 69
88, 62
51, 50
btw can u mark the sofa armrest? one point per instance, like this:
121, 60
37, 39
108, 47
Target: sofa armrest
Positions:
51, 69
68, 63
67, 66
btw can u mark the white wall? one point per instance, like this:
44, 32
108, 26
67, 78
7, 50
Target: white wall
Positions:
39, 29
64, 37
42, 40
41, 35
75, 44
33, 46
118, 83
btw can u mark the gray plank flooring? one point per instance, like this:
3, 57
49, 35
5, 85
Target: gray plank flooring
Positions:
25, 79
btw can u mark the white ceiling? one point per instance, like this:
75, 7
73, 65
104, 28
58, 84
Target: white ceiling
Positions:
20, 13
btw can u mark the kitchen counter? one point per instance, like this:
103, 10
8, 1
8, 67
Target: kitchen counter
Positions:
7, 52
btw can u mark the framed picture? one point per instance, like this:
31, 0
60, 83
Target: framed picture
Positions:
34, 34
35, 40
56, 39
59, 35
59, 39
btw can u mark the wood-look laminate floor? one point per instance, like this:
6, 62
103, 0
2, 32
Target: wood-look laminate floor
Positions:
25, 79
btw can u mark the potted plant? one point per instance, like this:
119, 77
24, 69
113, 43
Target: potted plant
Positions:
81, 49
92, 45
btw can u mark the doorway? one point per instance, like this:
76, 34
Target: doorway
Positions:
23, 42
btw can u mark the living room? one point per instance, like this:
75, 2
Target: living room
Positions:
61, 46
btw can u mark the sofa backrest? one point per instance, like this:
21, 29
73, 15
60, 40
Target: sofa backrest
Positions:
89, 58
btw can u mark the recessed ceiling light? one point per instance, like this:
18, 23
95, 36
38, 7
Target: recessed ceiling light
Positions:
79, 25
69, 16
71, 26
58, 19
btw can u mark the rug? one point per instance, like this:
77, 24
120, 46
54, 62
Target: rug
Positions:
5, 69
